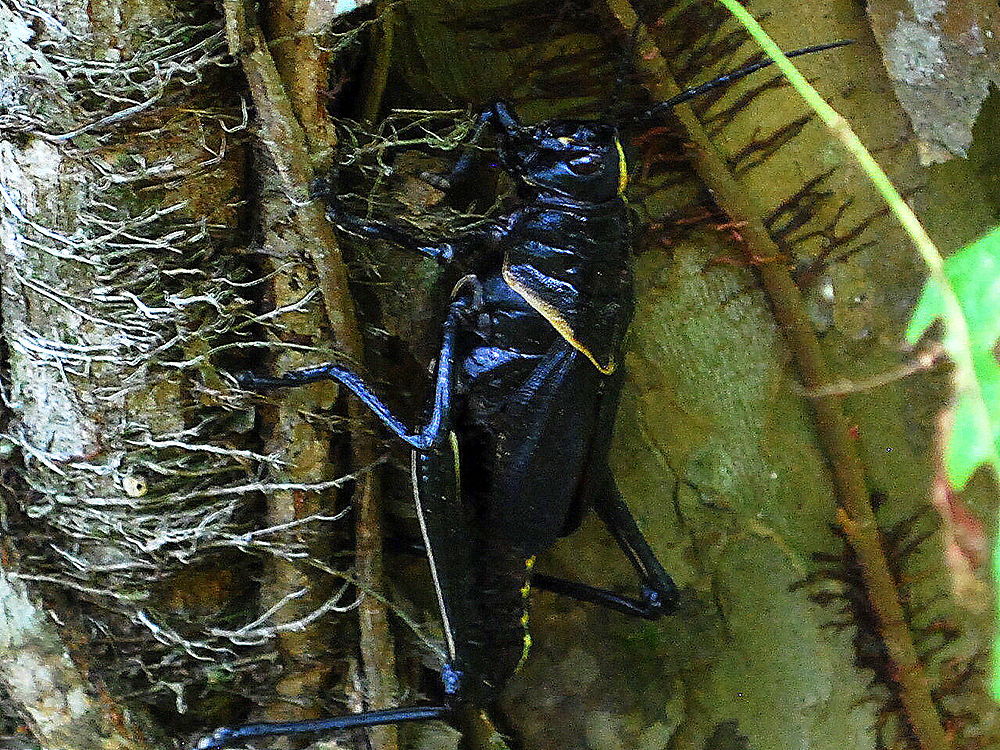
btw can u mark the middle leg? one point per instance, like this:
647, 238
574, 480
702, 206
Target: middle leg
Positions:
434, 432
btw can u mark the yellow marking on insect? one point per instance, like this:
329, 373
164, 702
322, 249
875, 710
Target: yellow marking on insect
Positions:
453, 441
525, 650
556, 320
622, 168
526, 588
565, 140
529, 563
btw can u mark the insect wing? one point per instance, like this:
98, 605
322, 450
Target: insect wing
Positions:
544, 443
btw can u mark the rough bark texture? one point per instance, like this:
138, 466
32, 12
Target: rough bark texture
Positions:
941, 58
147, 506
120, 196
296, 429
50, 691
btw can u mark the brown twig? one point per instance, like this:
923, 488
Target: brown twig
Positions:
286, 144
377, 69
848, 474
304, 641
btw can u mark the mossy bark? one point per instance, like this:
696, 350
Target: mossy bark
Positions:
121, 173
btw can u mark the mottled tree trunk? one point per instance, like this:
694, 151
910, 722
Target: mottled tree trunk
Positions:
120, 171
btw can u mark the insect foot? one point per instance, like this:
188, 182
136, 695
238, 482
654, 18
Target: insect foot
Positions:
660, 601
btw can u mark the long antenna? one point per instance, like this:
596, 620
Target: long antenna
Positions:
735, 75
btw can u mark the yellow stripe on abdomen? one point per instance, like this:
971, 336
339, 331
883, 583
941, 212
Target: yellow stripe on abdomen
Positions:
622, 168
525, 595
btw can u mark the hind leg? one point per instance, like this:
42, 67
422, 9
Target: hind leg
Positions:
657, 591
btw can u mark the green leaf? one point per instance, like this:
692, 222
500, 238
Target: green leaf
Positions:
974, 276
968, 444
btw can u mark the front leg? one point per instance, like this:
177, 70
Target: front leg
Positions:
444, 252
502, 118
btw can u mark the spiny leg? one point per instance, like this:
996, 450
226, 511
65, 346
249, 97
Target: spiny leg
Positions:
425, 442
583, 592
436, 493
446, 539
658, 590
657, 598
498, 115
225, 736
444, 251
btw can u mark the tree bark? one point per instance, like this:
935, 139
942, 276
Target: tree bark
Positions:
121, 174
